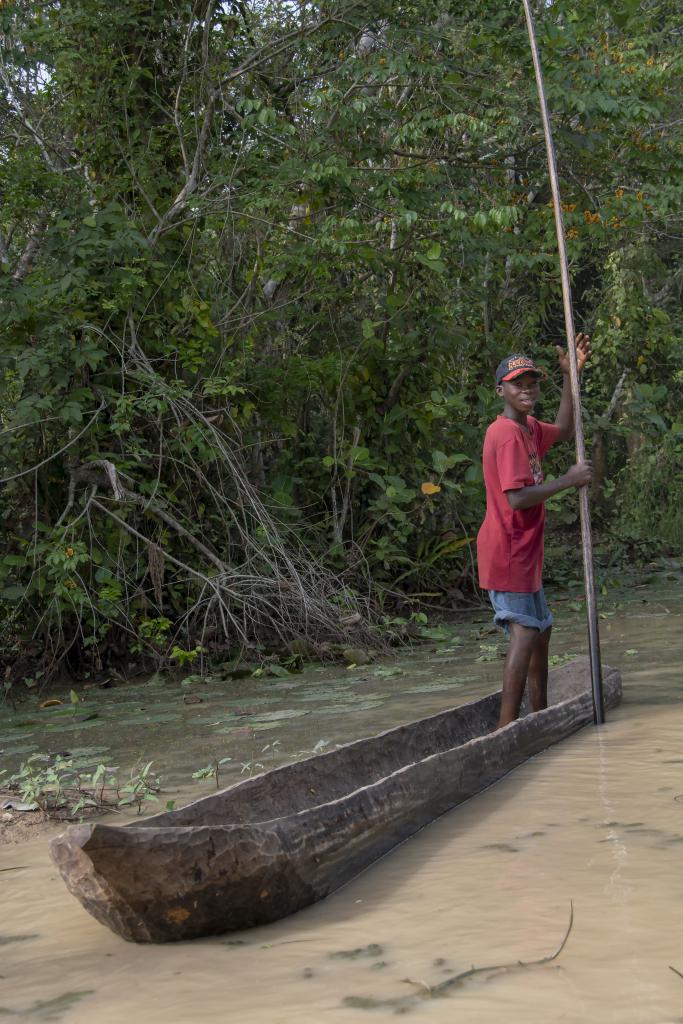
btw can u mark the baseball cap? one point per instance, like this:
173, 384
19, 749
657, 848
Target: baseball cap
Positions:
513, 366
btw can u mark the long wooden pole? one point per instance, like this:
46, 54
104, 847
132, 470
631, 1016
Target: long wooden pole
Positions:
586, 538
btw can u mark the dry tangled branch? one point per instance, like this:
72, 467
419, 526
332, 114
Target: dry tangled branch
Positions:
256, 585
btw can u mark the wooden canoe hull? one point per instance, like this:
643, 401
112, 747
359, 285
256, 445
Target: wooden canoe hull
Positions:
206, 869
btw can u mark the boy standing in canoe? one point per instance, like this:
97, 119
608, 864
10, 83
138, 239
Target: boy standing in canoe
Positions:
510, 541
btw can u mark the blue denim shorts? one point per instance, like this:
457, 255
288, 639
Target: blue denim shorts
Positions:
526, 609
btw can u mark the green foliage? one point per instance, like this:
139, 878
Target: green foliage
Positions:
649, 494
61, 787
258, 266
212, 770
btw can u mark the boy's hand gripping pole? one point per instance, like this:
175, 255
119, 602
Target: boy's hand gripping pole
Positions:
586, 539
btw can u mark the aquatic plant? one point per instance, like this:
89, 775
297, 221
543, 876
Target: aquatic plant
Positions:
62, 788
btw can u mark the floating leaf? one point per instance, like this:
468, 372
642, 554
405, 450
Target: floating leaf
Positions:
278, 670
152, 719
277, 716
48, 1009
434, 633
374, 949
433, 687
367, 705
6, 939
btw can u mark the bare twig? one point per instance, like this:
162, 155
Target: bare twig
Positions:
464, 975
425, 991
56, 454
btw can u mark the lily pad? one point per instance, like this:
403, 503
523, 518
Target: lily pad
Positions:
434, 687
324, 692
250, 699
373, 949
60, 727
6, 939
49, 1009
80, 752
24, 748
438, 633
144, 718
219, 718
278, 716
346, 709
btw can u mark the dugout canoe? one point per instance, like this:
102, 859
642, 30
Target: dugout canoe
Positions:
277, 842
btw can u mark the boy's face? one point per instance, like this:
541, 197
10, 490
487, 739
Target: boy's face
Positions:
521, 393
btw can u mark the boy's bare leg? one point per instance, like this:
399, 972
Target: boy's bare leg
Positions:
515, 670
538, 672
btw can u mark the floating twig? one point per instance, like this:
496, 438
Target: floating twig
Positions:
676, 971
402, 1003
464, 975
422, 986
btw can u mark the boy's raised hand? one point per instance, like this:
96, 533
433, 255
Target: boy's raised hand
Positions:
583, 352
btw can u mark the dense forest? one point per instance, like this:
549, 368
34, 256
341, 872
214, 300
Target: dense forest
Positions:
259, 262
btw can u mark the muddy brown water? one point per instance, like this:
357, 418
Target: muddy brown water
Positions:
596, 822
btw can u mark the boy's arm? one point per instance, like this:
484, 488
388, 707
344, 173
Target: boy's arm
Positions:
526, 497
565, 414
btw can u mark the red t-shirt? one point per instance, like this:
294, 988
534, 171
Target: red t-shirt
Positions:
510, 542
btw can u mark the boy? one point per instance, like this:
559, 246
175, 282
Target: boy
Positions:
510, 541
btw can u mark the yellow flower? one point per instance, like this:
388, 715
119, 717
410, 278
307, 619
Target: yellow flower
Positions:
619, 193
429, 488
70, 552
572, 233
640, 196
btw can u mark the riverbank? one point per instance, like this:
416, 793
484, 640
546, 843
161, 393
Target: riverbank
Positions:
198, 732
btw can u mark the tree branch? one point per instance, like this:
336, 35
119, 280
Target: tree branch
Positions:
25, 261
122, 494
394, 391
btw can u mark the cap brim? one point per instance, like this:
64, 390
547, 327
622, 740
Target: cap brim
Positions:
520, 371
